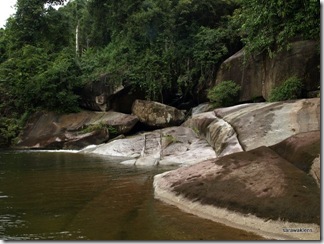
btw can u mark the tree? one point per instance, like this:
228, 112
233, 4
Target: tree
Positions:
157, 45
271, 25
29, 24
29, 67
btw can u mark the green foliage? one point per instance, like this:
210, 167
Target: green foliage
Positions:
17, 72
160, 46
210, 47
36, 79
224, 94
271, 25
57, 84
157, 45
10, 128
289, 89
170, 139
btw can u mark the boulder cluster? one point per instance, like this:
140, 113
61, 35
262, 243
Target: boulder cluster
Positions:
254, 166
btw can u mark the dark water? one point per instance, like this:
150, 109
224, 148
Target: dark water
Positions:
68, 196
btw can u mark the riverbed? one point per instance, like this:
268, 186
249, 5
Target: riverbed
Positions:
65, 195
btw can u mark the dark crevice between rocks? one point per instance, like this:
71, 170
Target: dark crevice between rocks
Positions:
141, 128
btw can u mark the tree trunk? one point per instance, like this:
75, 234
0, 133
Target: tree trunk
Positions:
77, 45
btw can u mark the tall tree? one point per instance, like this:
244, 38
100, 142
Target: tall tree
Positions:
28, 26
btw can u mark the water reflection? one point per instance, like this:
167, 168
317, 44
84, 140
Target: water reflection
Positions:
68, 196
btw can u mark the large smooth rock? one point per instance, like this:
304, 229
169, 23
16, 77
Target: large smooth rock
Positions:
169, 146
266, 124
300, 149
200, 122
257, 76
122, 123
77, 141
218, 133
315, 171
202, 108
223, 138
257, 191
157, 114
303, 150
248, 126
52, 130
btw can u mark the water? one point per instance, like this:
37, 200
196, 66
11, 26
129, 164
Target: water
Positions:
71, 196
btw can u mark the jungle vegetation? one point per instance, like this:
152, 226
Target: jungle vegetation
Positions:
47, 54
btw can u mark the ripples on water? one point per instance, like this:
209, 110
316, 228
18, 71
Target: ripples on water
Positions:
72, 196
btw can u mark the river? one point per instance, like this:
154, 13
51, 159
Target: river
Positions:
74, 196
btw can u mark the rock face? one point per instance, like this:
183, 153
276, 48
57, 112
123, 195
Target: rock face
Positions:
73, 131
265, 124
219, 134
75, 141
275, 173
122, 123
302, 150
169, 146
157, 114
315, 171
202, 108
97, 95
248, 126
249, 190
259, 75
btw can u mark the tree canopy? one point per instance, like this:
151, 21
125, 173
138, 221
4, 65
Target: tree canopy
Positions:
271, 25
162, 46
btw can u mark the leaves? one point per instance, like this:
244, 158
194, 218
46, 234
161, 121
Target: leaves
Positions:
161, 46
271, 25
224, 94
289, 89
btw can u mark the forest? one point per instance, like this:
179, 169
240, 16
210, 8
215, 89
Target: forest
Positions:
160, 46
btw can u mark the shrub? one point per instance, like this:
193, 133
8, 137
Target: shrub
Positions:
10, 128
289, 89
224, 94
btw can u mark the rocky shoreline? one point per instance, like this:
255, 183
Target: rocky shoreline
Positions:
257, 191
255, 166
252, 166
